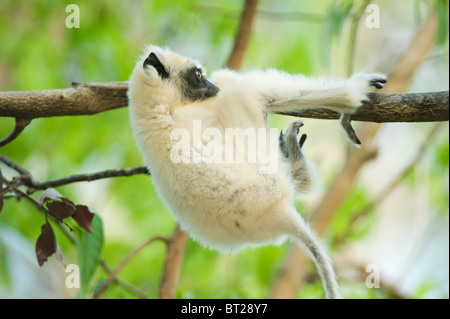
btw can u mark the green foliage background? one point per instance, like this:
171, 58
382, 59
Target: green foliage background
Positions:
39, 52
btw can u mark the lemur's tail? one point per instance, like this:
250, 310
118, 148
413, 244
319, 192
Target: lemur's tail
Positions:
308, 239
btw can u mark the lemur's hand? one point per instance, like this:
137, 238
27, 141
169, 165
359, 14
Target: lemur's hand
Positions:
378, 82
360, 84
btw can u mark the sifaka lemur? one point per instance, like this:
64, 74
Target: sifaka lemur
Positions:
223, 203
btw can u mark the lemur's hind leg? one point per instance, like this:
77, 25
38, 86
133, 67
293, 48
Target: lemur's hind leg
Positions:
303, 172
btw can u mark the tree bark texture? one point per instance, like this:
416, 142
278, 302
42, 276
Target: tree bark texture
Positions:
93, 98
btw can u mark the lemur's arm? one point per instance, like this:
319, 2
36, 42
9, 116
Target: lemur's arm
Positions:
282, 92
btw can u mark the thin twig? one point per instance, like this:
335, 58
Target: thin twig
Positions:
125, 285
19, 169
27, 179
86, 177
124, 261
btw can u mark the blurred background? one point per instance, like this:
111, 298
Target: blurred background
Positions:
406, 235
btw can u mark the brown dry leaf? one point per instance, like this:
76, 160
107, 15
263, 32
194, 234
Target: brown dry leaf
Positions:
83, 216
61, 210
46, 244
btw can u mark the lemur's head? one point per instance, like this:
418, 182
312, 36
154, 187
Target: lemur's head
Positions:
164, 77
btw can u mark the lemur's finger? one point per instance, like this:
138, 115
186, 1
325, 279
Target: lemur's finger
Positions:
282, 144
378, 82
294, 127
377, 85
302, 140
345, 122
299, 124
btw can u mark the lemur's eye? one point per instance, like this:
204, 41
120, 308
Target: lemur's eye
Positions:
199, 75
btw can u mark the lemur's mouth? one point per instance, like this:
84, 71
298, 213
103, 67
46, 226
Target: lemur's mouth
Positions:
211, 89
196, 87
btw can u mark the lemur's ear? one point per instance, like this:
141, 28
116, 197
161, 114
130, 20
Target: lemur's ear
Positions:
153, 60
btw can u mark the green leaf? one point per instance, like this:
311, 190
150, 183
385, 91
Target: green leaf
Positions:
89, 249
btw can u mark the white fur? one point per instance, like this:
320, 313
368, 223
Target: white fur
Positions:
230, 206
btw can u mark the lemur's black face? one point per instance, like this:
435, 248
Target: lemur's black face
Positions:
194, 86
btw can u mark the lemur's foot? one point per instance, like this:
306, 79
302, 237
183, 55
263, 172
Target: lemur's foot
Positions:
292, 133
294, 128
302, 140
282, 143
361, 84
290, 146
345, 122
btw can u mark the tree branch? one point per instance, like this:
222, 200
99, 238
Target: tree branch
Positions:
92, 98
80, 99
243, 35
382, 107
175, 252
